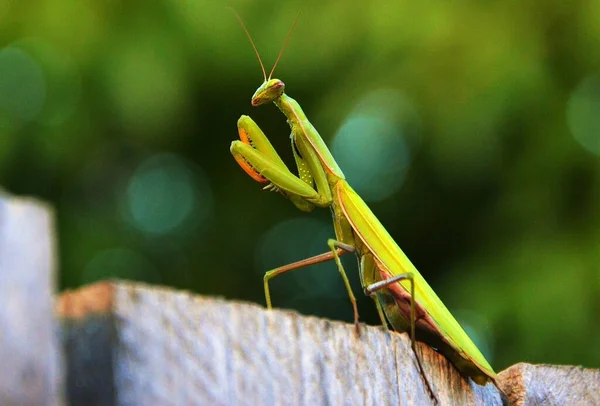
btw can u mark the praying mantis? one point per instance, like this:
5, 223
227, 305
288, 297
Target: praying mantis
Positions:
402, 296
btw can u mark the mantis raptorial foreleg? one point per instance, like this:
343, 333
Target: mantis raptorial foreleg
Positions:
257, 157
255, 154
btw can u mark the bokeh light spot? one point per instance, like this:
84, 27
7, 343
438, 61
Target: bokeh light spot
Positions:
293, 240
371, 145
22, 85
119, 263
373, 155
146, 78
61, 76
165, 194
583, 114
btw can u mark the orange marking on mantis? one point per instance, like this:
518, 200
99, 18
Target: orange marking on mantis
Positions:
249, 169
244, 136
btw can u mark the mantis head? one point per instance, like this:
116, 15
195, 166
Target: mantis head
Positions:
269, 91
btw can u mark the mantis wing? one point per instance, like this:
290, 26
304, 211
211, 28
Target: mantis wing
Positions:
458, 346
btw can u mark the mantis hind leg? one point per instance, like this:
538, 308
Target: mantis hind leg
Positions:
369, 273
380, 312
374, 287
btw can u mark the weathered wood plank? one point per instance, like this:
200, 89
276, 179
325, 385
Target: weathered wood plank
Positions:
29, 363
174, 348
88, 337
527, 384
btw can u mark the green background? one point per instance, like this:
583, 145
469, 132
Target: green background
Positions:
471, 128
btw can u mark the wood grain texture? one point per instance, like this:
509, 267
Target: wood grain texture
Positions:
174, 348
552, 385
29, 356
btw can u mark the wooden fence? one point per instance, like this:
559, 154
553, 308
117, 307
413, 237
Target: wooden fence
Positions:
121, 343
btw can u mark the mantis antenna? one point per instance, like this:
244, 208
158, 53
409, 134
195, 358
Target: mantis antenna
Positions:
251, 42
262, 66
284, 45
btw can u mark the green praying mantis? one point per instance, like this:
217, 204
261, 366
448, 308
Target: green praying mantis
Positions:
402, 296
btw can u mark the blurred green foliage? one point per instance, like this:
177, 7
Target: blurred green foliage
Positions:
121, 114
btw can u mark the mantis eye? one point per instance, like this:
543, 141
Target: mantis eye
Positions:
275, 84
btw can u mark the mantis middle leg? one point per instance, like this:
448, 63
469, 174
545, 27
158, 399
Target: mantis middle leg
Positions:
337, 250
